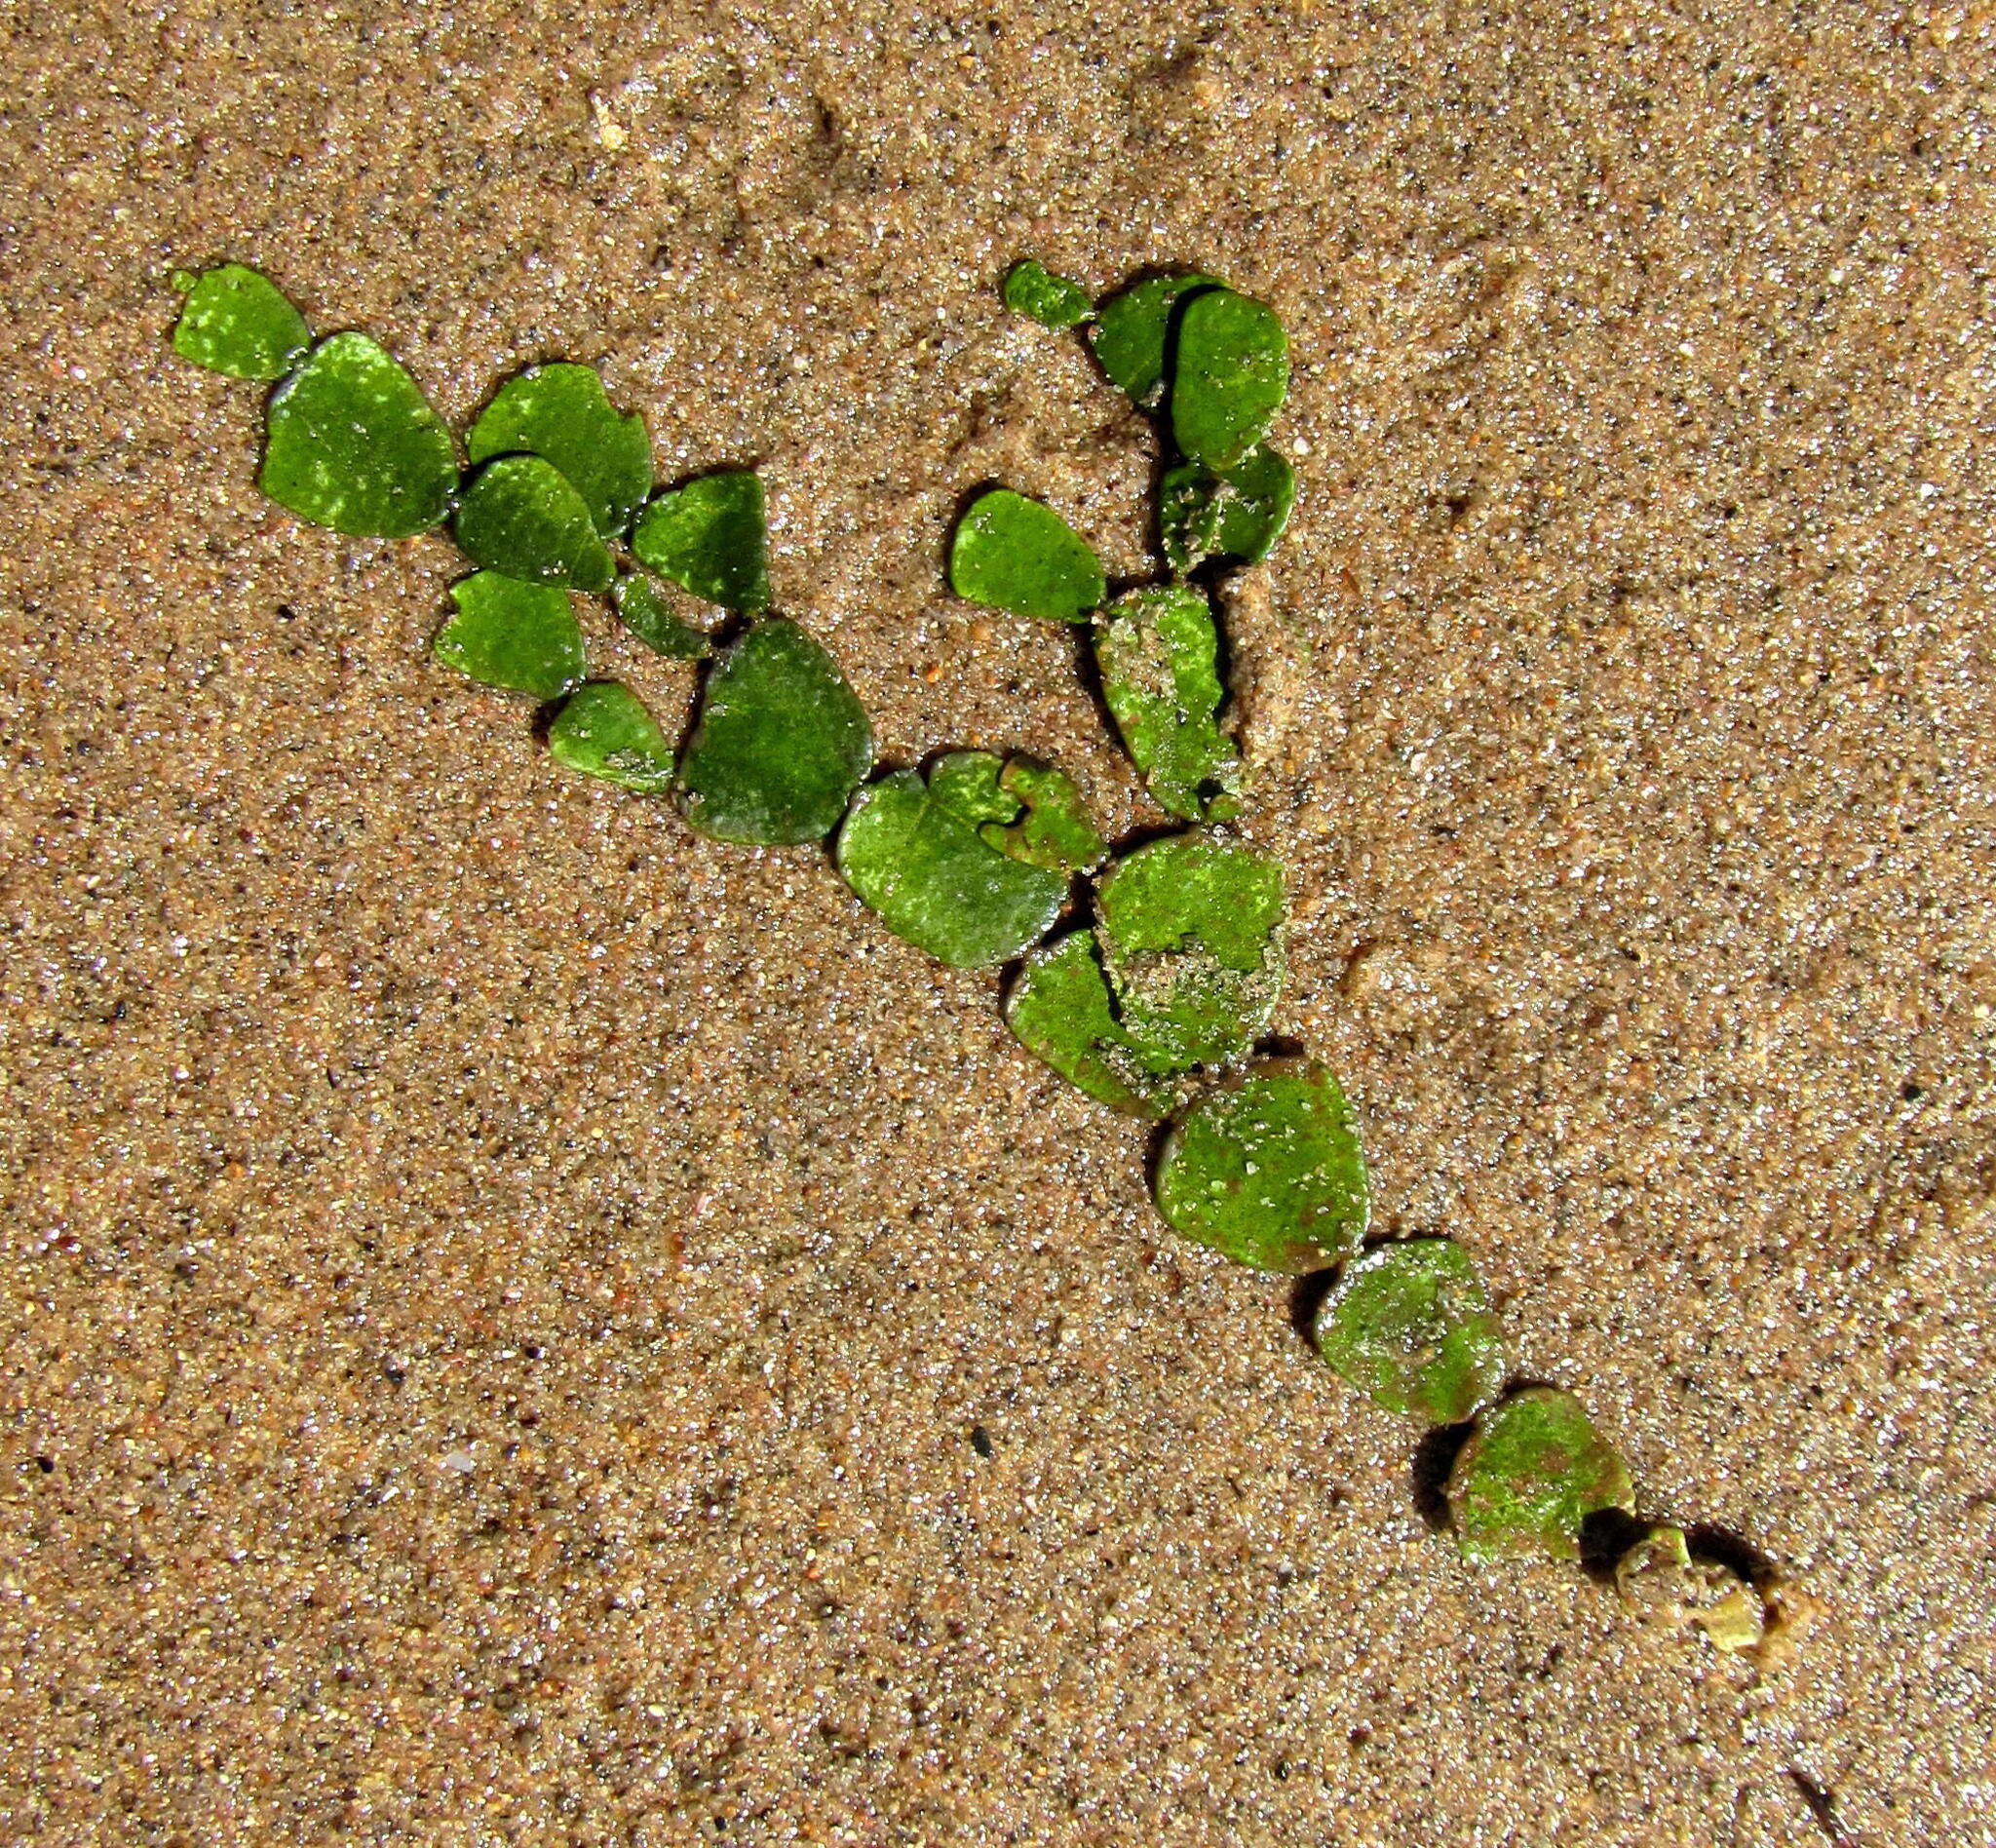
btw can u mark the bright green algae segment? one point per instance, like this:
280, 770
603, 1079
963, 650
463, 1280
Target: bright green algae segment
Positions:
603, 730
1055, 832
1239, 514
520, 516
563, 414
351, 444
781, 744
1062, 1010
1533, 1471
1034, 290
646, 614
237, 321
1013, 554
1268, 1171
1231, 374
912, 850
710, 537
1191, 934
521, 637
1410, 1323
1159, 654
1132, 329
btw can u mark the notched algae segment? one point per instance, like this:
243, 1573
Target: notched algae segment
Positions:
561, 413
1191, 934
1532, 1472
520, 516
518, 638
1158, 655
1231, 374
1062, 1010
914, 851
237, 321
1268, 1171
1237, 515
1035, 292
1018, 555
645, 611
1054, 829
351, 444
1133, 331
711, 538
781, 744
1410, 1325
603, 730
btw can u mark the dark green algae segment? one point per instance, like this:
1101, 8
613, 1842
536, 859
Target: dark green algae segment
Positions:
780, 745
1532, 1472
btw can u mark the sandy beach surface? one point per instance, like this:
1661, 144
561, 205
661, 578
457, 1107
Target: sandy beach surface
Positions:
525, 1325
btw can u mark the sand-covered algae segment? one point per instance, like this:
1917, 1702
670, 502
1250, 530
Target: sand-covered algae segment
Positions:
781, 743
643, 609
561, 413
1268, 1171
1408, 1324
1191, 940
914, 851
518, 638
1017, 555
1060, 1008
519, 514
237, 321
1529, 1476
604, 730
1158, 651
351, 444
1238, 516
1052, 827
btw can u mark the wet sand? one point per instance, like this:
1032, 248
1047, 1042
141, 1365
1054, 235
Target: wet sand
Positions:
508, 1301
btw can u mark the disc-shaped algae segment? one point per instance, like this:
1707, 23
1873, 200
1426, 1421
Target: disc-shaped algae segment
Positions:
1054, 830
912, 851
237, 321
520, 638
1239, 514
1268, 1169
1229, 377
1017, 555
1410, 1323
1133, 331
710, 537
351, 444
1191, 933
561, 413
1061, 1009
1531, 1473
520, 516
1158, 655
603, 730
1034, 290
643, 610
781, 743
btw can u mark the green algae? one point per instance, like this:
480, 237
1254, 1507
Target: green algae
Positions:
520, 516
518, 638
1410, 1325
781, 743
1035, 292
1018, 555
1158, 652
710, 537
236, 321
1268, 1169
603, 730
351, 444
1529, 1476
561, 413
1230, 375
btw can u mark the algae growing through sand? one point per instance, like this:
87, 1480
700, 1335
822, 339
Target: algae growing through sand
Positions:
1155, 1001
